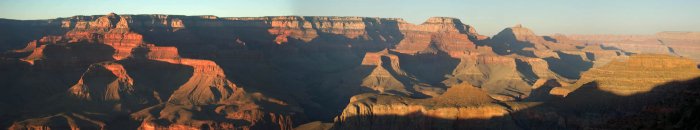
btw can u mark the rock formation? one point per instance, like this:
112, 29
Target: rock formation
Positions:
279, 72
672, 43
108, 86
460, 107
639, 73
523, 41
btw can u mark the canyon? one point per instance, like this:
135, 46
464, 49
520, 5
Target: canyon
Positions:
326, 72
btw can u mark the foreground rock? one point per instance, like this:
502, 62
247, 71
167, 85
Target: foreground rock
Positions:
460, 107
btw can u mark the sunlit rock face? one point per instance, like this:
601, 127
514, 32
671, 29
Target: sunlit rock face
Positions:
207, 72
446, 34
460, 107
622, 91
639, 73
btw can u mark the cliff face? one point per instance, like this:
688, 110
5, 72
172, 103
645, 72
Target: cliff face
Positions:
446, 34
117, 82
206, 72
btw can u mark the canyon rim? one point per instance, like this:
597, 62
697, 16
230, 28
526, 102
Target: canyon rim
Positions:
163, 71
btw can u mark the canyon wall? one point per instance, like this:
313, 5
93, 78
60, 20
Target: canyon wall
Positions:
207, 72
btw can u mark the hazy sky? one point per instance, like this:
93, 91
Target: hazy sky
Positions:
488, 16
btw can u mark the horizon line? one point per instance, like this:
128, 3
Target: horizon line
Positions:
397, 18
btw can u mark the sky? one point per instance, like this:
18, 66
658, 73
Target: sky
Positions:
545, 17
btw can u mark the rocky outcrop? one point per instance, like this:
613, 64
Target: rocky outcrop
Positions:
384, 78
460, 107
105, 82
208, 72
620, 92
497, 75
639, 73
523, 41
447, 34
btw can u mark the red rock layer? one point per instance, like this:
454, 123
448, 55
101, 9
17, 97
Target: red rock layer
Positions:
109, 83
449, 35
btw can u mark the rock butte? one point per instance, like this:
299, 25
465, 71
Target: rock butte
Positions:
281, 72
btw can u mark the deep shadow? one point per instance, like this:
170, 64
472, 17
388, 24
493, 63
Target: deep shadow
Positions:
37, 86
430, 68
156, 76
506, 43
333, 99
526, 70
15, 34
604, 47
383, 35
387, 64
542, 94
590, 56
11, 69
59, 69
568, 65
549, 38
665, 106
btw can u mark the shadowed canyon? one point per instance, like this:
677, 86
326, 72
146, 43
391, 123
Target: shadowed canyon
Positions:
324, 72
